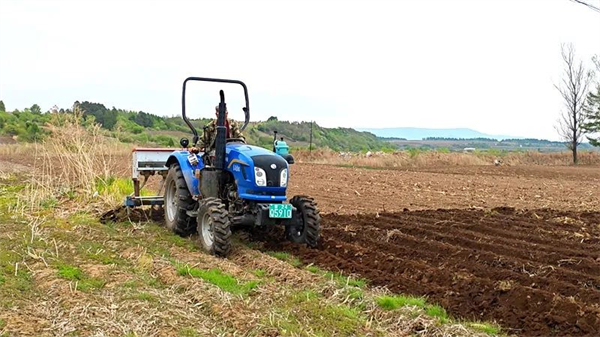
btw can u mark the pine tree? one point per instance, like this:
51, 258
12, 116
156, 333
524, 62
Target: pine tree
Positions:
592, 111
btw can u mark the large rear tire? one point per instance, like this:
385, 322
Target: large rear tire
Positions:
309, 229
177, 201
214, 227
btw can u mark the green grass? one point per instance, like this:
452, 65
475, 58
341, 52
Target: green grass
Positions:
432, 310
188, 332
305, 295
117, 186
84, 283
283, 256
215, 276
488, 328
259, 272
82, 218
49, 203
8, 199
398, 301
438, 312
306, 314
355, 294
70, 272
131, 284
166, 239
13, 282
178, 240
15, 278
90, 283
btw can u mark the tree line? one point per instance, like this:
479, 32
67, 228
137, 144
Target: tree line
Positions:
142, 127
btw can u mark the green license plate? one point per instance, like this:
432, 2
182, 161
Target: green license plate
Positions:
281, 211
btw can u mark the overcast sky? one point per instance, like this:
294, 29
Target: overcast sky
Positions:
487, 65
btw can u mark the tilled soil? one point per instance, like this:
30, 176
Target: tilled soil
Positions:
354, 190
536, 273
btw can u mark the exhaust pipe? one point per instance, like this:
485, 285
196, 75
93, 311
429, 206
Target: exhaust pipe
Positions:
221, 130
211, 180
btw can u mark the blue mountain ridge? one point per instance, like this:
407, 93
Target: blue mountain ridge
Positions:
411, 133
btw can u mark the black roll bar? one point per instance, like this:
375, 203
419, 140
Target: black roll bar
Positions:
246, 109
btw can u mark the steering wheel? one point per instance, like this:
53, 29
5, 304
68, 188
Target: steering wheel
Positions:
236, 140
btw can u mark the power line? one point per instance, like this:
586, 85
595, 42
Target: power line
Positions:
586, 4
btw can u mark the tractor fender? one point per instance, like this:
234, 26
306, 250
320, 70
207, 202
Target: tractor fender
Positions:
181, 157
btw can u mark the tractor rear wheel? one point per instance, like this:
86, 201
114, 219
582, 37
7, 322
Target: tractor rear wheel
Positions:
309, 229
177, 201
214, 227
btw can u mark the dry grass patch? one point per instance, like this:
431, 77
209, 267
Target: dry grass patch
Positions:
75, 165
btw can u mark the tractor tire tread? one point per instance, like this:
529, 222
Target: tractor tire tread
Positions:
184, 224
221, 226
312, 218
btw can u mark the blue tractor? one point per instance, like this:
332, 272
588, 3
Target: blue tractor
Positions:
237, 184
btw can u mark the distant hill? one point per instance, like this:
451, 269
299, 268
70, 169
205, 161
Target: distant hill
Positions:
422, 133
145, 128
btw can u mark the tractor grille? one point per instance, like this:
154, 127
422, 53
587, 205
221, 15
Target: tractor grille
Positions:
265, 192
265, 162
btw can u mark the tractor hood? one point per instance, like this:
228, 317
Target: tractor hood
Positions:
248, 150
241, 161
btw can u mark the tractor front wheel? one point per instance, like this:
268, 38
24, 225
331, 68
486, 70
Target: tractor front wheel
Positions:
309, 228
177, 201
214, 227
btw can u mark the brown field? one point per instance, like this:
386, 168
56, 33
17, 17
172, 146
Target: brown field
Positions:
351, 190
535, 272
452, 234
517, 244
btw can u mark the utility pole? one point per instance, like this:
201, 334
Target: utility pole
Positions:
310, 146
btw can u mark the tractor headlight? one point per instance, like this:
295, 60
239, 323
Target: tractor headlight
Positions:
260, 177
283, 178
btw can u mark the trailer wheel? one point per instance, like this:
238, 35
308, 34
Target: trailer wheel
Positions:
309, 229
177, 201
214, 227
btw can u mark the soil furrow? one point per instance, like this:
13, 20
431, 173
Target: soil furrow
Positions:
479, 267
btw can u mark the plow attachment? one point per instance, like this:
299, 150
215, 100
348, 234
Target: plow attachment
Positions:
146, 162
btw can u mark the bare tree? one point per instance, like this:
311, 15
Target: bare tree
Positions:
574, 89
